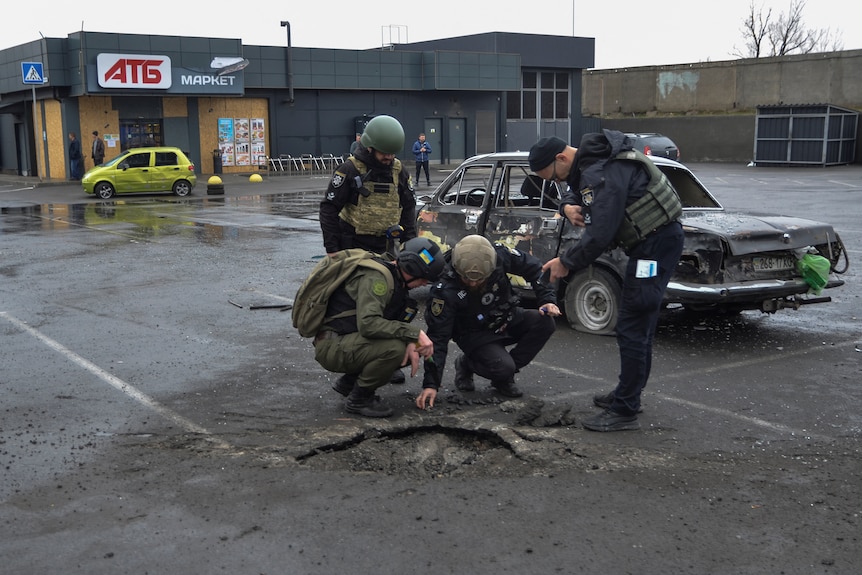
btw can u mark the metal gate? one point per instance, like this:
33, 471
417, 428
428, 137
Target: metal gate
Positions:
809, 134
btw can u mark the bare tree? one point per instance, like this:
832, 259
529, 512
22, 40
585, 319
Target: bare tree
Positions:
786, 33
754, 29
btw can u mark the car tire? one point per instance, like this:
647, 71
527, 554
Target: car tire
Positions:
182, 188
592, 301
104, 190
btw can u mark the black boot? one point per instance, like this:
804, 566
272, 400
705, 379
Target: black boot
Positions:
344, 384
463, 375
605, 400
397, 377
507, 388
363, 401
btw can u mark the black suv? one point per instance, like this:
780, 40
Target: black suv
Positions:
655, 145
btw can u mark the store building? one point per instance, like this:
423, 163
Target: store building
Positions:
237, 105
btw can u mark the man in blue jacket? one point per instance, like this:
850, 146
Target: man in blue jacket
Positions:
421, 150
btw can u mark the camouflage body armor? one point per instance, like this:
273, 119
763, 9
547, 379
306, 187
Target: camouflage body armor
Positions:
378, 205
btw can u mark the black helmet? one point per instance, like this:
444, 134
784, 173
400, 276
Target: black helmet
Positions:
384, 134
421, 258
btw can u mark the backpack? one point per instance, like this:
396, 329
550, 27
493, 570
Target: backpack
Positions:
312, 297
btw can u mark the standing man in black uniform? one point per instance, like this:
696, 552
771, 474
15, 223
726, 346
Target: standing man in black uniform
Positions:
370, 194
622, 199
370, 201
475, 305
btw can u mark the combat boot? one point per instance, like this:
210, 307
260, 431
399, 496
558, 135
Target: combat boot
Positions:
363, 401
611, 421
507, 388
344, 384
605, 400
463, 375
397, 377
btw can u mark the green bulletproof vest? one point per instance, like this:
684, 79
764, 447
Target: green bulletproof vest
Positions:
658, 206
378, 207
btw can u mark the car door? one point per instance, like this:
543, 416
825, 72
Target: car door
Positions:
523, 212
458, 207
165, 171
134, 172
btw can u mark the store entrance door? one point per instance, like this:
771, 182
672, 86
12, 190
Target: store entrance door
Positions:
140, 133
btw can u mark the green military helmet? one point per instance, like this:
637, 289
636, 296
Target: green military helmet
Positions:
384, 134
474, 258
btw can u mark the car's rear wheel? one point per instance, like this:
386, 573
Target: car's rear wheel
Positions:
593, 301
182, 188
104, 190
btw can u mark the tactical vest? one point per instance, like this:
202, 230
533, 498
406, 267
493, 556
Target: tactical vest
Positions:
378, 206
658, 206
341, 311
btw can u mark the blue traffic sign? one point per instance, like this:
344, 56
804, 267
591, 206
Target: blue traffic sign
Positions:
32, 73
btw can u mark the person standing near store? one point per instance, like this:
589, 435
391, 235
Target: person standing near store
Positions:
606, 180
475, 305
98, 148
76, 158
421, 151
369, 203
356, 143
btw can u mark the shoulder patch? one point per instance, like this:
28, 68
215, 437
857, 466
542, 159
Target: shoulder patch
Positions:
379, 288
337, 179
437, 306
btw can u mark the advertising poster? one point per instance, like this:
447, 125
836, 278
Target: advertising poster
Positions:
242, 141
226, 141
258, 142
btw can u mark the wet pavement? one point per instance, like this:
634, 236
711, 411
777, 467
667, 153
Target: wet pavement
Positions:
160, 414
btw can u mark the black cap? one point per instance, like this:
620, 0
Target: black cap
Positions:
544, 151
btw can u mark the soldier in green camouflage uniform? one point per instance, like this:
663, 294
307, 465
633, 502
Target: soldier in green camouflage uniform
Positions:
367, 331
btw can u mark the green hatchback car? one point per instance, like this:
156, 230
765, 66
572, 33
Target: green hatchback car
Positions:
142, 170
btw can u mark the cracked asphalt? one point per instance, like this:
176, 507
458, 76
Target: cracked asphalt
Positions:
160, 415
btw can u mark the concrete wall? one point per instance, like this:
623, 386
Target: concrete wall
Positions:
709, 108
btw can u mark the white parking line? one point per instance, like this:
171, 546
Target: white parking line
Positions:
116, 382
847, 184
11, 190
777, 427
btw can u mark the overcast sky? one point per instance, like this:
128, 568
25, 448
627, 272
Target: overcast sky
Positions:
627, 32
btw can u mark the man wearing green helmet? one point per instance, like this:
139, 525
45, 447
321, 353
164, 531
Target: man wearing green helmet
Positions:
370, 201
370, 194
475, 305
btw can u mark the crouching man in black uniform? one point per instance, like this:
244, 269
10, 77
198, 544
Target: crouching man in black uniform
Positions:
475, 305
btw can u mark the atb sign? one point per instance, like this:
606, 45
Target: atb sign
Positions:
31, 72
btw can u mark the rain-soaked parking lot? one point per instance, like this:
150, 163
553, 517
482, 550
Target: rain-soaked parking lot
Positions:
160, 415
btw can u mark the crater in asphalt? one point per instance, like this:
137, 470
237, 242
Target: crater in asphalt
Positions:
512, 439
432, 451
516, 438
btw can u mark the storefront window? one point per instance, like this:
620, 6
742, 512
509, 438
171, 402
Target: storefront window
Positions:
140, 134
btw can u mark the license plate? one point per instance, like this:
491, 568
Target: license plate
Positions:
770, 264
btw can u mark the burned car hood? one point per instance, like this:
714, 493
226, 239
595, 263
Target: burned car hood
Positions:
749, 233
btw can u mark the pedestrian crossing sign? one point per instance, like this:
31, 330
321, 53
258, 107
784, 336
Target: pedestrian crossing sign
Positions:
32, 73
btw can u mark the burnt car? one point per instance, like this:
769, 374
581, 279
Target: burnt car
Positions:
730, 262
